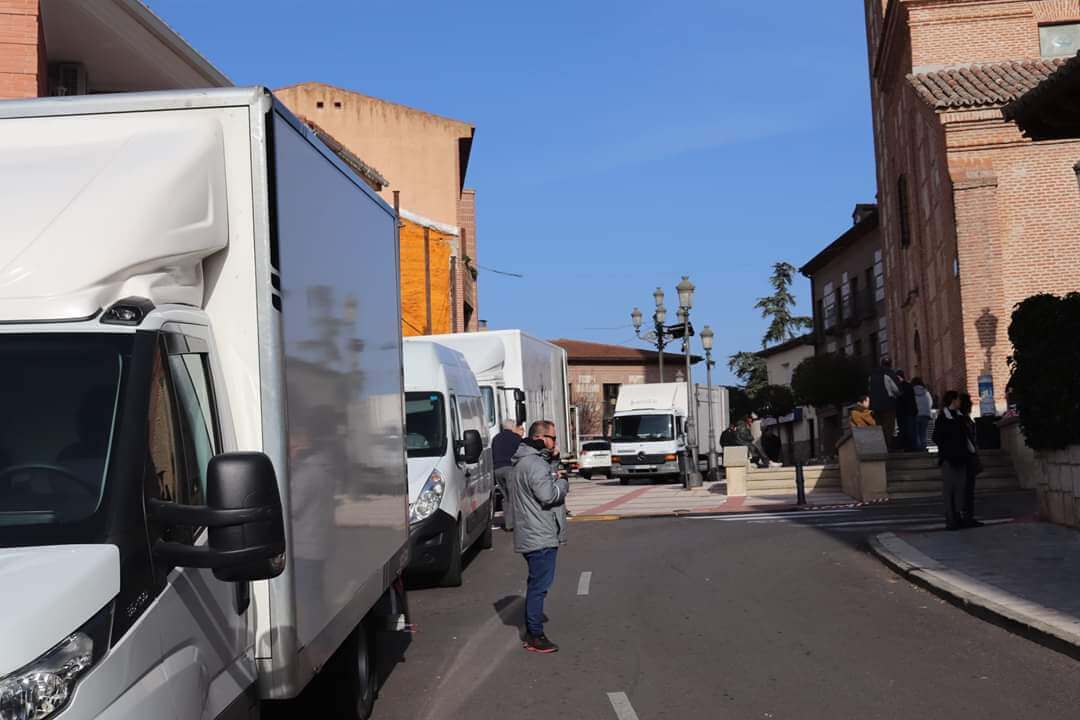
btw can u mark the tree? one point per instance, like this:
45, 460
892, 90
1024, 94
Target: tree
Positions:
829, 379
779, 308
774, 401
739, 403
750, 369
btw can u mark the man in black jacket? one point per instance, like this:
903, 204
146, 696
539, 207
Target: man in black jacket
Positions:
503, 447
974, 466
956, 453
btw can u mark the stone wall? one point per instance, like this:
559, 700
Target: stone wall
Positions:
1059, 486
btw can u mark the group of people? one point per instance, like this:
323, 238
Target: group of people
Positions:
907, 408
534, 509
902, 408
741, 433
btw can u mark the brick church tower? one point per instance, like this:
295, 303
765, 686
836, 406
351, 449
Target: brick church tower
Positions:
974, 217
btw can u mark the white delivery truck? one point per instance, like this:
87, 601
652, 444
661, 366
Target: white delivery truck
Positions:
202, 462
451, 477
649, 429
522, 378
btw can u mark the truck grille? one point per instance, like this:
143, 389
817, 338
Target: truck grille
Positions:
642, 459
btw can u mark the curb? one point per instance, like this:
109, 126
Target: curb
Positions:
687, 514
931, 575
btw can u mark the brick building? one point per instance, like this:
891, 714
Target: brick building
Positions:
425, 158
971, 213
598, 370
58, 47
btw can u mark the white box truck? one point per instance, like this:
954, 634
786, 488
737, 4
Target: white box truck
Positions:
521, 377
649, 429
203, 494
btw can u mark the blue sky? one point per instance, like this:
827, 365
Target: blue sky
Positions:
619, 145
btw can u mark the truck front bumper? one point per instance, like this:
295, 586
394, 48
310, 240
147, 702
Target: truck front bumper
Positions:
430, 544
648, 470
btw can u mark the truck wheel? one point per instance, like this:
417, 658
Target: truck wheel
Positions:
452, 576
354, 670
585, 474
624, 481
487, 538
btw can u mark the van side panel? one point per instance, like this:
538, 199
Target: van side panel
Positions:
343, 397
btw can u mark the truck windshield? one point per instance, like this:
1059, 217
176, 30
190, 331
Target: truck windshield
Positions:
59, 411
425, 424
636, 428
488, 394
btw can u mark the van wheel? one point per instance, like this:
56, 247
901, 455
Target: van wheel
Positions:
487, 538
624, 481
452, 576
354, 670
585, 474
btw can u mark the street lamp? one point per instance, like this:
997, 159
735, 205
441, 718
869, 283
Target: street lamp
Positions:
707, 343
635, 316
685, 289
662, 336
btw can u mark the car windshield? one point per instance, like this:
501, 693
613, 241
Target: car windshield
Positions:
60, 403
635, 428
596, 447
425, 424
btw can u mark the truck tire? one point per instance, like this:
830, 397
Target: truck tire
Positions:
452, 576
585, 474
487, 538
624, 481
354, 673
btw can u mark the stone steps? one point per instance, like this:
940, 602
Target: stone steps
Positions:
919, 474
816, 477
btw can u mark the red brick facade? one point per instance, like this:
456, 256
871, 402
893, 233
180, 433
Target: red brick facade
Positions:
23, 67
974, 217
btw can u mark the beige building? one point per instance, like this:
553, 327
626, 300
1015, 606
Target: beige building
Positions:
598, 370
799, 433
424, 157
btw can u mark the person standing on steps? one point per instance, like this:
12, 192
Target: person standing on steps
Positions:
884, 392
503, 447
538, 496
956, 453
974, 464
907, 410
924, 404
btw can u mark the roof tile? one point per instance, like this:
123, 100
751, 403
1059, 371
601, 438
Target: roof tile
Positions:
985, 85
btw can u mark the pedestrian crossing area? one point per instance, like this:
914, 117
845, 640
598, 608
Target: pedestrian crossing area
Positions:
853, 520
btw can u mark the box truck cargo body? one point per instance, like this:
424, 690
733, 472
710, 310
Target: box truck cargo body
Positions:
203, 490
523, 378
649, 429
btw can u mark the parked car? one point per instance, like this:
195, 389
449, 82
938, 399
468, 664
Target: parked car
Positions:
595, 457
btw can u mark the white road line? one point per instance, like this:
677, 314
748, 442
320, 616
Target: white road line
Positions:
583, 583
622, 707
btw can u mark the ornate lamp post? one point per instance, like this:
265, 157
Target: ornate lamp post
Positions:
685, 289
707, 336
661, 336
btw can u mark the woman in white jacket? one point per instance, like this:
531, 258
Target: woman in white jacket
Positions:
924, 402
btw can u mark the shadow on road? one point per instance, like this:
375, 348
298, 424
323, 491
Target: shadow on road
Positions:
511, 610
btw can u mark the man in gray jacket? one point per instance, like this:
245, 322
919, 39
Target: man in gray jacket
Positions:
538, 495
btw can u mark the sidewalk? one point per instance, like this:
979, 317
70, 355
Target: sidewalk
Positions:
1024, 574
608, 500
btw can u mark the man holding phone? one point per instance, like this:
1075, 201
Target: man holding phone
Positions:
538, 496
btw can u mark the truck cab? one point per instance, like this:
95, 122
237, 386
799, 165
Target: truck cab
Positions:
647, 443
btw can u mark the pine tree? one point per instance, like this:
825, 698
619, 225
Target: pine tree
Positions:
784, 324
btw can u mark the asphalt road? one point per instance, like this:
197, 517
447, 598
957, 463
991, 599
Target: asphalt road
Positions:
732, 617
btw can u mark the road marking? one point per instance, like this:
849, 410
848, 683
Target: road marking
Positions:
764, 515
583, 583
622, 707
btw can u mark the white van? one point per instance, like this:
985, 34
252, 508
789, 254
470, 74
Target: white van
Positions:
451, 475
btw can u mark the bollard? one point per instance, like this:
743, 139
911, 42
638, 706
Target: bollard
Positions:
800, 484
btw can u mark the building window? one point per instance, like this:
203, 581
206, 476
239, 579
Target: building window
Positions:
956, 267
849, 345
903, 207
857, 348
830, 306
1059, 40
879, 277
883, 338
845, 299
319, 104
830, 347
853, 293
611, 395
337, 104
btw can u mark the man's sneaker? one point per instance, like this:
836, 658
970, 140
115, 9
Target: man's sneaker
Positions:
540, 644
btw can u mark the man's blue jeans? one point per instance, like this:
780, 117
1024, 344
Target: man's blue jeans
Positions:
541, 575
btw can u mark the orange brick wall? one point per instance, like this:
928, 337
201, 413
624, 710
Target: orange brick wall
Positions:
23, 71
982, 199
413, 283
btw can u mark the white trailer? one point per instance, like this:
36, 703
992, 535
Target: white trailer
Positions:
649, 436
203, 489
521, 377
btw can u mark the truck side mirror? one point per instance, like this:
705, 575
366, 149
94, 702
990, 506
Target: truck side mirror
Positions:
519, 401
243, 517
474, 447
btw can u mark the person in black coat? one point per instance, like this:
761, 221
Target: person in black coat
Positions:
503, 447
956, 453
974, 464
907, 410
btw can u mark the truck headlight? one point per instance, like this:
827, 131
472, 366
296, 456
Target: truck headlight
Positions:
427, 502
42, 688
